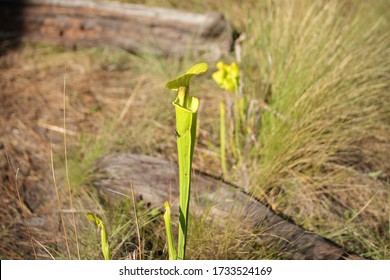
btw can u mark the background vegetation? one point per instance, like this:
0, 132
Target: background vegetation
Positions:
320, 156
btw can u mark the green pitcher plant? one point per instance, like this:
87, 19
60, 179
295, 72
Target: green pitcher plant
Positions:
186, 108
103, 235
227, 77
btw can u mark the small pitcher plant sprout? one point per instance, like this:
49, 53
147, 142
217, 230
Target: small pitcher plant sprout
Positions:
103, 234
186, 108
168, 228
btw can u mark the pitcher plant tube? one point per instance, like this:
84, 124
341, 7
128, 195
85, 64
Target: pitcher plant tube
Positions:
186, 108
227, 77
103, 235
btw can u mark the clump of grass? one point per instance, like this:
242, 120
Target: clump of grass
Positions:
324, 66
84, 154
133, 231
136, 231
234, 241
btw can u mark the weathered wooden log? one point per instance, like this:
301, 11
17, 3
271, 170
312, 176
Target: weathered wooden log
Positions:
155, 180
135, 28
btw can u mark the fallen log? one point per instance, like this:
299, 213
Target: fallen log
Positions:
135, 28
155, 180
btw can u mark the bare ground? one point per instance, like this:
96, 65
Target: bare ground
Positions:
31, 119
